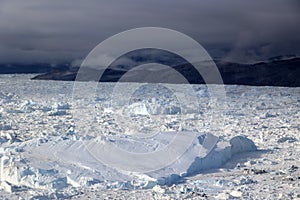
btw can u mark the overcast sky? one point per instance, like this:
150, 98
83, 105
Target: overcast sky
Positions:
54, 31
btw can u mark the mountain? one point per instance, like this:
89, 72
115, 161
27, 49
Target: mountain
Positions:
274, 72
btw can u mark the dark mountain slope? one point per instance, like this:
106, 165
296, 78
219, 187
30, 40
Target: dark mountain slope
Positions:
273, 73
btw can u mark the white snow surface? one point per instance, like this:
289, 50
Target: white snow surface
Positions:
45, 154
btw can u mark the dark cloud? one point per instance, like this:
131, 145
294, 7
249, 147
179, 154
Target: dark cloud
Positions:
55, 31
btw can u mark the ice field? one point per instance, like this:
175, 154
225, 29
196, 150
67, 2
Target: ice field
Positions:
52, 146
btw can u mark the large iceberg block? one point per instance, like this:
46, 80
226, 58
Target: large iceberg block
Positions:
78, 164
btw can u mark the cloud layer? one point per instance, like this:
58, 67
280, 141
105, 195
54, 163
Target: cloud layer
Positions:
54, 31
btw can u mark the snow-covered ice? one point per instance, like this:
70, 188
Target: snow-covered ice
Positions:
45, 155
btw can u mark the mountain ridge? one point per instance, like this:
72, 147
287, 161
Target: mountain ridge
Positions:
284, 72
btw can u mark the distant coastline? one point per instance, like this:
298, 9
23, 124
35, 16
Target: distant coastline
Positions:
283, 73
